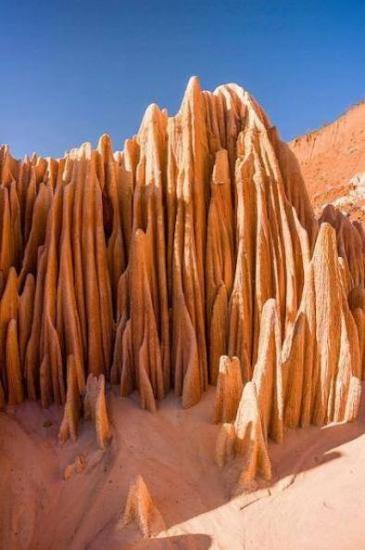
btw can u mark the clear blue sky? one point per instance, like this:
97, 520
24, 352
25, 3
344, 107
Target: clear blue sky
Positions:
73, 69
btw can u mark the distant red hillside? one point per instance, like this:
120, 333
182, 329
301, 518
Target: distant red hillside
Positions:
330, 157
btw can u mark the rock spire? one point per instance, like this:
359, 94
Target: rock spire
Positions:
143, 267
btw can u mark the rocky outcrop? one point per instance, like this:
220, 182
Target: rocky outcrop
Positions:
76, 467
332, 160
143, 267
313, 377
250, 440
141, 509
94, 407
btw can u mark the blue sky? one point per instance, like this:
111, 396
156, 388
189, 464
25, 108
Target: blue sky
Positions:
73, 69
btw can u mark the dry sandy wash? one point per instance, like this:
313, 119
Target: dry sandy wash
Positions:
188, 276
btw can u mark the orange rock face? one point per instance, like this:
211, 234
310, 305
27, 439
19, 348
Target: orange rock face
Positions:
144, 267
332, 161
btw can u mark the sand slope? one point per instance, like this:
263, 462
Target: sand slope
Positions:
316, 499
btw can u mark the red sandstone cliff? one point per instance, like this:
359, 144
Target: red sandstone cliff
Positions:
331, 157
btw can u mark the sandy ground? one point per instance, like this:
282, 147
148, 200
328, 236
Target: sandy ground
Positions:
317, 499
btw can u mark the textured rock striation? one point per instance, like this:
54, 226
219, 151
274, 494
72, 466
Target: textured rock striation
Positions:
145, 267
229, 389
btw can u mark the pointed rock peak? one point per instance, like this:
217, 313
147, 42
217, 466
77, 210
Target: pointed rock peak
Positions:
87, 149
250, 438
247, 411
193, 85
78, 153
12, 277
329, 214
152, 111
148, 115
105, 146
326, 241
141, 509
152, 116
5, 149
269, 309
192, 93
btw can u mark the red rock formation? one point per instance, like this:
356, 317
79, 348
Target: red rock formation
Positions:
250, 438
141, 509
229, 389
69, 425
143, 267
95, 408
332, 161
13, 371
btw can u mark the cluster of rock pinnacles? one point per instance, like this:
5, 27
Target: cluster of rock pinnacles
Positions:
190, 258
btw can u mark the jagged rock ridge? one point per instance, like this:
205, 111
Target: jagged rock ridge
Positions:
144, 267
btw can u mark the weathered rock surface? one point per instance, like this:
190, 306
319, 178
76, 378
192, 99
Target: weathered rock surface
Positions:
141, 509
229, 389
76, 467
95, 408
332, 161
143, 267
